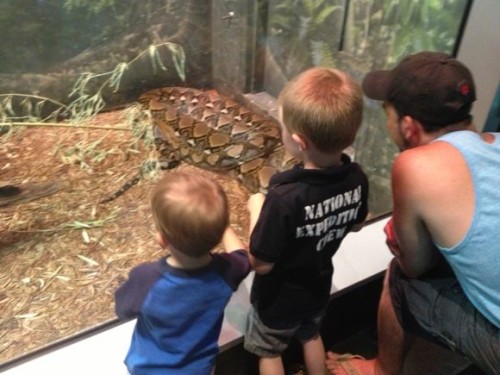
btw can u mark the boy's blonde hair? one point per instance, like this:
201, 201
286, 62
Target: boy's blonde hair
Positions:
191, 211
325, 105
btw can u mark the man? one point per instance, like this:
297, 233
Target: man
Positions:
444, 282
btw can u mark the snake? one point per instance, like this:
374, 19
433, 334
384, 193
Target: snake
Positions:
215, 132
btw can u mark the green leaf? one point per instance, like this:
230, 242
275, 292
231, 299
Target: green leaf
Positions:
323, 15
179, 59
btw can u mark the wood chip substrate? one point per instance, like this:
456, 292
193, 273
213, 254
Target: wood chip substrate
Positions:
62, 254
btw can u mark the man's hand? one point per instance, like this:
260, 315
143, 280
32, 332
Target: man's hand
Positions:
391, 239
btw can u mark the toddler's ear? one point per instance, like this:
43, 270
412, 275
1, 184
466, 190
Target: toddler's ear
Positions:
301, 141
160, 238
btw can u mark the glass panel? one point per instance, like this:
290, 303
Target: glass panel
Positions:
63, 252
493, 119
376, 35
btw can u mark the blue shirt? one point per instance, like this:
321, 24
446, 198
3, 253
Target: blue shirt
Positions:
179, 313
476, 258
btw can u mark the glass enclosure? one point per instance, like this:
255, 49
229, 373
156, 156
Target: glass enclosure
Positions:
64, 61
493, 119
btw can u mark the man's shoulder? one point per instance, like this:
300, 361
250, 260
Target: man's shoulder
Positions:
424, 159
428, 171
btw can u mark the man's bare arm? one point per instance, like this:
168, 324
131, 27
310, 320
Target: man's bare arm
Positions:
410, 181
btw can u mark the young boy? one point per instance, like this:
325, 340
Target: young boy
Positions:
308, 210
179, 300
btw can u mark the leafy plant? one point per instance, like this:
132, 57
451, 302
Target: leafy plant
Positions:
88, 101
300, 32
303, 33
432, 25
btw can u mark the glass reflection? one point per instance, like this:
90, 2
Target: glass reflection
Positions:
64, 60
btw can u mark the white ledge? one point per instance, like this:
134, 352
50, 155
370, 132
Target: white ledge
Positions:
361, 256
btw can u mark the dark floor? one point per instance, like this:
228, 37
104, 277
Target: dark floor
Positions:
425, 358
350, 327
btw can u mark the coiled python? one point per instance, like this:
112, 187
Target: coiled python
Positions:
214, 132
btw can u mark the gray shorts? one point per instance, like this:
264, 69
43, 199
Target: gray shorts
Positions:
435, 306
265, 341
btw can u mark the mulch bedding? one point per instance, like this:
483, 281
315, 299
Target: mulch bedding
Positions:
63, 255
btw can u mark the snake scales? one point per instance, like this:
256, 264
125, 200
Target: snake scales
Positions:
214, 132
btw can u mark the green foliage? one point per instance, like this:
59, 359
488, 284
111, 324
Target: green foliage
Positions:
93, 7
26, 108
311, 14
36, 35
84, 153
424, 25
322, 54
306, 32
88, 100
377, 34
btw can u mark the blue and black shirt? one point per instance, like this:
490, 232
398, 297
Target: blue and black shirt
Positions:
179, 313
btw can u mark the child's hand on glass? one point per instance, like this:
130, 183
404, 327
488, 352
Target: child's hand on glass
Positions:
254, 206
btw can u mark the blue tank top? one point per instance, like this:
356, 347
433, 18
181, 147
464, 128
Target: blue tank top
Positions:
476, 258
